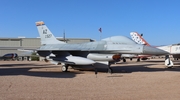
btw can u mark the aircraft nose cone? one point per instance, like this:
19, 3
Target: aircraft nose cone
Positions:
153, 51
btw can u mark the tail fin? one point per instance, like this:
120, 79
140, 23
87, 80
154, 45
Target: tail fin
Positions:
45, 34
138, 38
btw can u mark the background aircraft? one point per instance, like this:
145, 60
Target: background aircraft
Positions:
95, 54
9, 56
172, 49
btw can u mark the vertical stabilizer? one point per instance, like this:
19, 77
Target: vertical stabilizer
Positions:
45, 34
138, 38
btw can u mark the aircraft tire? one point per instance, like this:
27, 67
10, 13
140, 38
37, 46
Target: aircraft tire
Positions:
64, 68
124, 60
131, 59
138, 60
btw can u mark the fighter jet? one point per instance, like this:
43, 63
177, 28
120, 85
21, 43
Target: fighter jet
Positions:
92, 54
171, 49
9, 56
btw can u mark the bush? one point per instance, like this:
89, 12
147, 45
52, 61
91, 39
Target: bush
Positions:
34, 57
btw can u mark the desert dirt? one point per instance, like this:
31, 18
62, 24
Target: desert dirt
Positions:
145, 80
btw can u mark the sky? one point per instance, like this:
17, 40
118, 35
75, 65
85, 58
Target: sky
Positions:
158, 20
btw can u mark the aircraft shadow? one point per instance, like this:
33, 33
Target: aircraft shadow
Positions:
25, 69
141, 68
151, 61
15, 65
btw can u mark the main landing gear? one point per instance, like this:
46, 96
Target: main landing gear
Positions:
138, 59
105, 64
110, 70
64, 68
124, 60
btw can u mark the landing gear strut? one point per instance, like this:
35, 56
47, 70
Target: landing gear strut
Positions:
168, 62
110, 70
96, 71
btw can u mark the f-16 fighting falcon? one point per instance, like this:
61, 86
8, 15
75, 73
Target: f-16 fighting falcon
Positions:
94, 54
171, 49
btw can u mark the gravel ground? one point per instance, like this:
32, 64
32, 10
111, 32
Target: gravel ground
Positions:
146, 80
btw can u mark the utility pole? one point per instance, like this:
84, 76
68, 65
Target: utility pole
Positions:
64, 37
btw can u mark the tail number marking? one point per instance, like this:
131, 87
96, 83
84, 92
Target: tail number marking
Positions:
45, 31
48, 36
